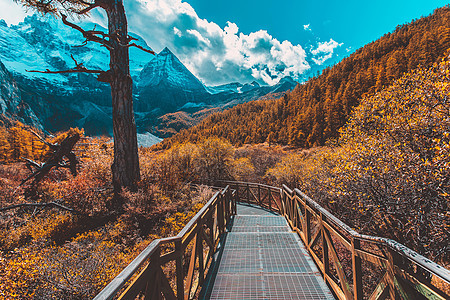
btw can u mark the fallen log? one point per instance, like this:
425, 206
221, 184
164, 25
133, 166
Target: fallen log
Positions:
62, 157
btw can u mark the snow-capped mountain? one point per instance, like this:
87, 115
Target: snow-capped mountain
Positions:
165, 83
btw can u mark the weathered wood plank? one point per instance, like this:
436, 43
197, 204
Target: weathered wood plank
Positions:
381, 291
336, 288
191, 268
165, 287
372, 258
357, 271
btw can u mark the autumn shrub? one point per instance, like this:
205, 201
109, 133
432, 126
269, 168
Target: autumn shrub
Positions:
207, 161
262, 158
242, 169
214, 160
20, 275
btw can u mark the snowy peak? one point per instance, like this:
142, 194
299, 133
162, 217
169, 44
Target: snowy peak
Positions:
166, 52
167, 69
250, 86
233, 87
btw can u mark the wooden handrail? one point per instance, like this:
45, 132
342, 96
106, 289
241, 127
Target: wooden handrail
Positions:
397, 260
151, 282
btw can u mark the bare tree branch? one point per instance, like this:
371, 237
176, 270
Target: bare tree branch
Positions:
87, 9
89, 35
79, 68
66, 71
54, 204
130, 38
32, 163
52, 146
139, 47
82, 45
57, 160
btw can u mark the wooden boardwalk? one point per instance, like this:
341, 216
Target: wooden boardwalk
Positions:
261, 258
246, 252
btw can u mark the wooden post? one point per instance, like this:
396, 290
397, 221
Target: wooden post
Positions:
259, 196
326, 260
283, 202
248, 193
269, 194
220, 218
191, 268
179, 270
295, 212
235, 200
199, 249
307, 226
225, 205
153, 286
357, 271
225, 209
391, 274
291, 209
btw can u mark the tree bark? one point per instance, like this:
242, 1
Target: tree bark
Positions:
125, 169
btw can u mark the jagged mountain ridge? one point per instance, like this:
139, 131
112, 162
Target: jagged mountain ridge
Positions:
59, 101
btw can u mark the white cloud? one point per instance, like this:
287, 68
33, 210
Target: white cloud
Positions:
177, 31
324, 51
12, 12
214, 54
307, 27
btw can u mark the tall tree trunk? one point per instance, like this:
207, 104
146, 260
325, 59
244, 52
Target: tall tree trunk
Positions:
125, 169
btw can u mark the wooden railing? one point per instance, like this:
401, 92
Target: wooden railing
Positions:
185, 257
348, 261
266, 196
351, 262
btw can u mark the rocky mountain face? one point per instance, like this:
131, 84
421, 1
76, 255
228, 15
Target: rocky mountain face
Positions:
163, 86
11, 104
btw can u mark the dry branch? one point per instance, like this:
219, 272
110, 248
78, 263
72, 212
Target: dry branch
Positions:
61, 151
52, 146
49, 204
89, 35
139, 47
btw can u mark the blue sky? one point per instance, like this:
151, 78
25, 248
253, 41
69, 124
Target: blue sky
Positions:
222, 41
354, 23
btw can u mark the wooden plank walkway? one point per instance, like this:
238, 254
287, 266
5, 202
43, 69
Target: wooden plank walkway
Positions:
261, 258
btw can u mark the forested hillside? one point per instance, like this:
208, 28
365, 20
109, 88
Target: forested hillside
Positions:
314, 111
